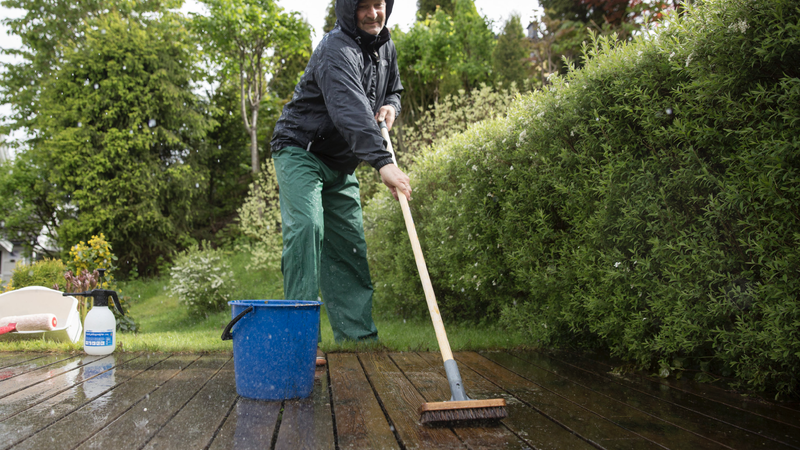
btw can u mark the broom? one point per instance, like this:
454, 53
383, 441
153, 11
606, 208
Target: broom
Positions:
460, 407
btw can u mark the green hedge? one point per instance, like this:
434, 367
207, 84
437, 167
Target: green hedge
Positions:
648, 204
47, 272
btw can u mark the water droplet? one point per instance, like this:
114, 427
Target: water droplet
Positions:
96, 86
151, 123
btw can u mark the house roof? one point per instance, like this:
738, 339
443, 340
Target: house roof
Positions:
8, 246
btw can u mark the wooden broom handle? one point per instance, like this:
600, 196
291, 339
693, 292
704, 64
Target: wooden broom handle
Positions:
430, 297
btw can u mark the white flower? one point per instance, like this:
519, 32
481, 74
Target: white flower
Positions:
740, 26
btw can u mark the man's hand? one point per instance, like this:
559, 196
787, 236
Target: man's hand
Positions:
396, 180
386, 113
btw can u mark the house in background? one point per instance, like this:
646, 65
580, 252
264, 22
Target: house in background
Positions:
5, 152
10, 255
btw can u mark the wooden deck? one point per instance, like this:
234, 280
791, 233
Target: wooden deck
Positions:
369, 401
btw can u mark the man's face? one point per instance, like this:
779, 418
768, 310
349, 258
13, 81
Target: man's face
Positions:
371, 15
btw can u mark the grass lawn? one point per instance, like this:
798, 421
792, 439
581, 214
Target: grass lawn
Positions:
166, 326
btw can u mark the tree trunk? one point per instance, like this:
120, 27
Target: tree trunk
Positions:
254, 149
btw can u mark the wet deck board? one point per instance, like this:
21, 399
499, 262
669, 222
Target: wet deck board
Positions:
701, 397
29, 367
14, 359
194, 424
371, 401
574, 411
249, 425
525, 421
360, 421
725, 426
656, 422
58, 418
77, 371
307, 423
401, 400
137, 426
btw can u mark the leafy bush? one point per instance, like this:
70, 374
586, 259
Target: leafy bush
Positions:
260, 220
96, 254
454, 115
47, 272
201, 279
442, 122
645, 204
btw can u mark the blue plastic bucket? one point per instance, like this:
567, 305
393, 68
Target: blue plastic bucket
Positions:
274, 347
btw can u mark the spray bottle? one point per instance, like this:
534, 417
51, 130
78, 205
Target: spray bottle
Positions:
100, 327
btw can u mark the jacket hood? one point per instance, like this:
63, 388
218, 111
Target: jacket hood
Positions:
346, 15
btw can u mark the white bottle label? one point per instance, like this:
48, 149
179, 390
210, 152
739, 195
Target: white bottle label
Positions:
99, 338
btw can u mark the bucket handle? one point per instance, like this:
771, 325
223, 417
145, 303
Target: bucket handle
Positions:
226, 333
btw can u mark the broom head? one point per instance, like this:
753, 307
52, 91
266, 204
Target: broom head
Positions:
492, 409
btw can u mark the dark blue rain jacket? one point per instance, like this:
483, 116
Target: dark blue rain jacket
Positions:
350, 75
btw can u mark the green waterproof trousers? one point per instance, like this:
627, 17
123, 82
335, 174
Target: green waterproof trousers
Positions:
323, 242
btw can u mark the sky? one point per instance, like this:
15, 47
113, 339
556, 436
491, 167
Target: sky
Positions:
403, 14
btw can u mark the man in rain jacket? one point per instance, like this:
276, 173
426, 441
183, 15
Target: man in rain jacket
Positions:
331, 124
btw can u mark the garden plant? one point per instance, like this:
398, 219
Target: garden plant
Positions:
645, 204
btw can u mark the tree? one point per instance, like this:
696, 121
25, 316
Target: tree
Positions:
28, 203
330, 17
222, 157
444, 54
44, 30
120, 129
567, 24
510, 56
429, 7
247, 39
476, 39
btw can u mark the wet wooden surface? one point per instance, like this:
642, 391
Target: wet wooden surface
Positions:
370, 401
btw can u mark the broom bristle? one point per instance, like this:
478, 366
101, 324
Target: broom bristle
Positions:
463, 411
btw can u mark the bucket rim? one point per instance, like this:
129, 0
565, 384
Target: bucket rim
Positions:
276, 303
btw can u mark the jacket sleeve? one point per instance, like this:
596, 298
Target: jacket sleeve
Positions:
339, 80
394, 87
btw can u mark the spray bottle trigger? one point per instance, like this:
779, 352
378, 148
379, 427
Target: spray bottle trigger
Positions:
116, 302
